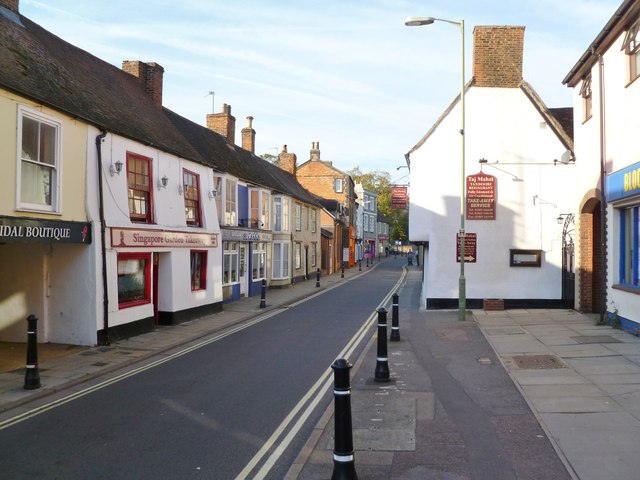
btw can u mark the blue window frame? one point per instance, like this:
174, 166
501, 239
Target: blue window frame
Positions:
629, 247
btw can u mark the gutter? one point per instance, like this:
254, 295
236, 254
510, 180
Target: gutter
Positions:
103, 229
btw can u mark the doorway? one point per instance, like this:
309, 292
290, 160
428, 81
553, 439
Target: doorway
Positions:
243, 269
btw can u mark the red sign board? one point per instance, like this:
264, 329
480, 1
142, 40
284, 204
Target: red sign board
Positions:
481, 197
399, 198
469, 247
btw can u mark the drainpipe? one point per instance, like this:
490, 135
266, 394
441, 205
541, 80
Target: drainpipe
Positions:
603, 203
103, 231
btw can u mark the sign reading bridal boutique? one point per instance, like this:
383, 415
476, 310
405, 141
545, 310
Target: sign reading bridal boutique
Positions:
125, 237
28, 230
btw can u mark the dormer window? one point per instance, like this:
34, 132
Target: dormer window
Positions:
587, 103
631, 47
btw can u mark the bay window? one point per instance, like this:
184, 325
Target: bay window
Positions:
280, 214
259, 261
231, 207
280, 260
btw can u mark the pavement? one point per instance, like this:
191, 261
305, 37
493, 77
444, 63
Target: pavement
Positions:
515, 394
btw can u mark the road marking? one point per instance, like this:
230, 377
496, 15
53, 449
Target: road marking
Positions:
57, 403
319, 389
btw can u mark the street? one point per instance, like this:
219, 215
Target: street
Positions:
208, 413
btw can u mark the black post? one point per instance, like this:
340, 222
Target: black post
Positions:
367, 262
342, 276
360, 265
32, 375
382, 363
263, 294
318, 277
343, 465
395, 328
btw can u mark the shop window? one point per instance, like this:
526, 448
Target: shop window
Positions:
134, 279
198, 270
631, 47
140, 192
39, 160
629, 250
258, 261
230, 263
280, 267
191, 182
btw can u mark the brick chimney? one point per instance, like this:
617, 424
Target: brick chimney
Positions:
497, 56
287, 161
315, 151
10, 5
249, 136
151, 76
223, 123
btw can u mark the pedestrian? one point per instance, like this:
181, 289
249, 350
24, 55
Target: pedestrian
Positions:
410, 257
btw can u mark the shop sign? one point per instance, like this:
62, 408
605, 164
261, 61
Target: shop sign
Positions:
126, 237
481, 197
245, 235
23, 230
399, 198
470, 243
624, 183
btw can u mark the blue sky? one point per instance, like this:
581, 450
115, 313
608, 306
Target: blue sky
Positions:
346, 73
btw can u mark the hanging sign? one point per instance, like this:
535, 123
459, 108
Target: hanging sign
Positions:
481, 197
399, 198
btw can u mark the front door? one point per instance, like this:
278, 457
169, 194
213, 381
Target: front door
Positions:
243, 270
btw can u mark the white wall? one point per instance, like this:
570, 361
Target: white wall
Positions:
501, 125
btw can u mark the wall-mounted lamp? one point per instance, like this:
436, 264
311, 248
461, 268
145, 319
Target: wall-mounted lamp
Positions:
484, 161
542, 201
213, 193
562, 216
115, 168
164, 181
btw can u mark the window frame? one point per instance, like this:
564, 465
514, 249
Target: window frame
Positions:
201, 269
146, 299
298, 214
231, 202
631, 48
259, 258
147, 218
196, 203
314, 254
314, 220
280, 260
338, 185
629, 247
587, 98
281, 213
297, 255
55, 181
229, 251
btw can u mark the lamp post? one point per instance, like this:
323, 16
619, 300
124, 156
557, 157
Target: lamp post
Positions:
462, 295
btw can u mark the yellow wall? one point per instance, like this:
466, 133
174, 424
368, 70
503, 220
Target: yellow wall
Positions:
74, 160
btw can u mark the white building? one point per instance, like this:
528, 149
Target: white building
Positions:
515, 185
606, 99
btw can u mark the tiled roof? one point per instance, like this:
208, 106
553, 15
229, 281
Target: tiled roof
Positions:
40, 66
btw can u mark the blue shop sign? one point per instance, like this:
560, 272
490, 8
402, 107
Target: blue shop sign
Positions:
624, 183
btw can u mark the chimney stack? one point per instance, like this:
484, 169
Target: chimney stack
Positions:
10, 5
315, 151
150, 74
497, 56
287, 161
223, 123
249, 136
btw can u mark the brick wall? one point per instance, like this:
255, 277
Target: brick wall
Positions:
249, 136
585, 265
287, 161
10, 4
497, 56
150, 74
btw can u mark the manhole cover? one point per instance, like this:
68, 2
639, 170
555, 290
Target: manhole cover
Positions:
537, 362
595, 339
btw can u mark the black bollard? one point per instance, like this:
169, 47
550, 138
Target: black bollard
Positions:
395, 328
32, 375
263, 294
318, 277
360, 265
343, 465
342, 276
367, 262
382, 363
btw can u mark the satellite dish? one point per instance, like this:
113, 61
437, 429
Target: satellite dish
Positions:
566, 157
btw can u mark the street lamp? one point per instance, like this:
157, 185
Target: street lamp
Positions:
462, 295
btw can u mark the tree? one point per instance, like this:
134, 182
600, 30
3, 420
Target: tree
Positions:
269, 158
380, 182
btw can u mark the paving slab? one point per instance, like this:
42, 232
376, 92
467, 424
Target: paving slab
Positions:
603, 365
